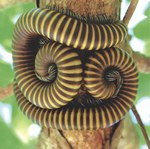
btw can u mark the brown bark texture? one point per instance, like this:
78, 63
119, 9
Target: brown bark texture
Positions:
115, 137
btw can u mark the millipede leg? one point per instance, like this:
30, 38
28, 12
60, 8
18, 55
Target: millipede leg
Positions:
141, 125
130, 11
114, 75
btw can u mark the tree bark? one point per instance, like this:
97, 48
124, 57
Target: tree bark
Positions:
118, 136
84, 7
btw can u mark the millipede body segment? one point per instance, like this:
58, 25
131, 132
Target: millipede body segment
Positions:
70, 31
51, 69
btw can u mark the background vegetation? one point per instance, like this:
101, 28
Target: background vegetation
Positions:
16, 131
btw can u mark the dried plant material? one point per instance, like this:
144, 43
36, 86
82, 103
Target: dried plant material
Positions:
130, 11
143, 62
52, 139
6, 91
85, 139
141, 125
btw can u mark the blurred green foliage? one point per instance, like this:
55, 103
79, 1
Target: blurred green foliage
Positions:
8, 15
8, 133
10, 140
6, 73
142, 30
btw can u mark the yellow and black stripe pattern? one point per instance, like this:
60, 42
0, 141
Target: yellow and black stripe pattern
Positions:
104, 115
99, 65
50, 73
60, 91
70, 31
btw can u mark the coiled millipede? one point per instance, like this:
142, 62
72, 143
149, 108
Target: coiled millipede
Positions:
57, 86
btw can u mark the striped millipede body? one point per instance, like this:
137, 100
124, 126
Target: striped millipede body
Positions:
49, 76
69, 31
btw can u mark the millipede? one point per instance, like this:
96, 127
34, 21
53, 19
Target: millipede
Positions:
57, 84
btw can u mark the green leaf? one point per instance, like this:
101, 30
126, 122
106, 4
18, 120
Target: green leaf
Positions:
20, 123
142, 30
127, 1
18, 118
144, 83
19, 8
6, 74
147, 48
140, 134
6, 28
147, 11
8, 138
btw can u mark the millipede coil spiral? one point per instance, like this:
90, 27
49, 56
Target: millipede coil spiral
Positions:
68, 73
